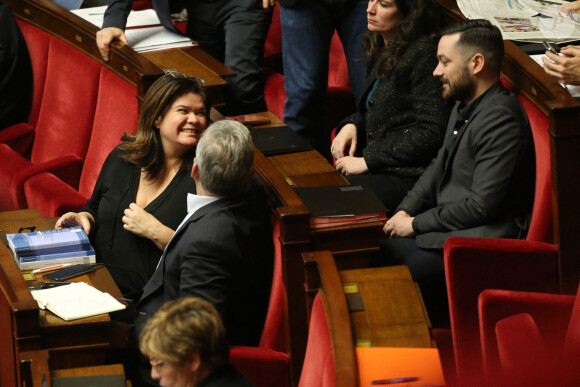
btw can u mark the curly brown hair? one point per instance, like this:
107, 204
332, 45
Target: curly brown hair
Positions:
420, 20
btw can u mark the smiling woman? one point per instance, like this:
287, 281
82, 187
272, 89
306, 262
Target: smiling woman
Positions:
141, 194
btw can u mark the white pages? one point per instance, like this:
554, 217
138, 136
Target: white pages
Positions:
76, 300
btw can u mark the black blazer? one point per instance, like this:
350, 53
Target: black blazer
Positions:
15, 71
223, 254
405, 123
483, 185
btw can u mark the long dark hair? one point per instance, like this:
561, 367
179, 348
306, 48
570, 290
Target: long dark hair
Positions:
144, 148
420, 20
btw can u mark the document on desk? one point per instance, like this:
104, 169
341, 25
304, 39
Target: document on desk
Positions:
525, 20
155, 38
95, 15
77, 300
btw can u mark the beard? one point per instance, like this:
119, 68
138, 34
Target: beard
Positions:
462, 89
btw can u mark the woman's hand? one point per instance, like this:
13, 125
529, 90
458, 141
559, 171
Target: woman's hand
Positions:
83, 219
566, 67
346, 138
349, 165
141, 223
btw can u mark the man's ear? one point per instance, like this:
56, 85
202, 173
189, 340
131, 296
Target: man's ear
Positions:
477, 63
195, 170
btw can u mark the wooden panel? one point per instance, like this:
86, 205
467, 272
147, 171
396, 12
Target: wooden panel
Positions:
392, 314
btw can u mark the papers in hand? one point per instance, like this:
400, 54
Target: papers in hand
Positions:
76, 300
143, 30
573, 90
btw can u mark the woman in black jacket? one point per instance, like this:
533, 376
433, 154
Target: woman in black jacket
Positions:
401, 118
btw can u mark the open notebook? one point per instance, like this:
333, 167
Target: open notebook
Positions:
77, 300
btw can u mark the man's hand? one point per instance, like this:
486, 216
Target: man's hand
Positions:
106, 36
566, 67
349, 165
572, 6
268, 4
346, 138
400, 225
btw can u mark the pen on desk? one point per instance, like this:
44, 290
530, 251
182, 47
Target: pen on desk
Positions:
395, 380
42, 270
95, 14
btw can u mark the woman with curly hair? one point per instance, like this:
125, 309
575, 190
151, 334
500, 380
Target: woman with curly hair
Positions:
401, 118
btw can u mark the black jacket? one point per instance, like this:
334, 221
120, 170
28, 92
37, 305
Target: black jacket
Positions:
404, 126
483, 185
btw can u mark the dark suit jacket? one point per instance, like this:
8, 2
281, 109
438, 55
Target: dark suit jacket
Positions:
223, 254
118, 11
15, 71
483, 186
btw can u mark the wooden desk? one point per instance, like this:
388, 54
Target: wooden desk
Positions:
378, 307
193, 61
35, 368
24, 327
350, 245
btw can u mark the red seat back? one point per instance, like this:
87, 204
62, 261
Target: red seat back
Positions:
318, 368
116, 112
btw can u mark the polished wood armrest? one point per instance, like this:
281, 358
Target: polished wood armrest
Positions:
331, 293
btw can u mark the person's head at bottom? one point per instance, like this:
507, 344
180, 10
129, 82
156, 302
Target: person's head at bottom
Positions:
185, 342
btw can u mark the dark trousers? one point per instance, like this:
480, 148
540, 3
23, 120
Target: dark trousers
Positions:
307, 31
427, 269
234, 32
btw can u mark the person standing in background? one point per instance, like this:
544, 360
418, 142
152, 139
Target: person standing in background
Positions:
307, 30
232, 31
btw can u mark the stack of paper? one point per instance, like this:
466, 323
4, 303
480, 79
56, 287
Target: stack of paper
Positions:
76, 300
35, 250
332, 206
144, 31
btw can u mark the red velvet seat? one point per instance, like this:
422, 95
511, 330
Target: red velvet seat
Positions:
63, 128
530, 338
116, 112
267, 365
318, 369
475, 264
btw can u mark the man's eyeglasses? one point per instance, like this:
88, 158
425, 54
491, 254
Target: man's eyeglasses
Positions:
178, 74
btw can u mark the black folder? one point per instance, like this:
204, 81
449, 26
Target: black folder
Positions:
279, 140
116, 380
340, 200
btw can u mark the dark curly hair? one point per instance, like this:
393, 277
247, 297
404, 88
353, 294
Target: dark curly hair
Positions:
420, 20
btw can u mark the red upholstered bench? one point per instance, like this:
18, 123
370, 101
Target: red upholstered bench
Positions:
81, 108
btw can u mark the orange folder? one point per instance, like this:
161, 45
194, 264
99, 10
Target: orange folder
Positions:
399, 367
